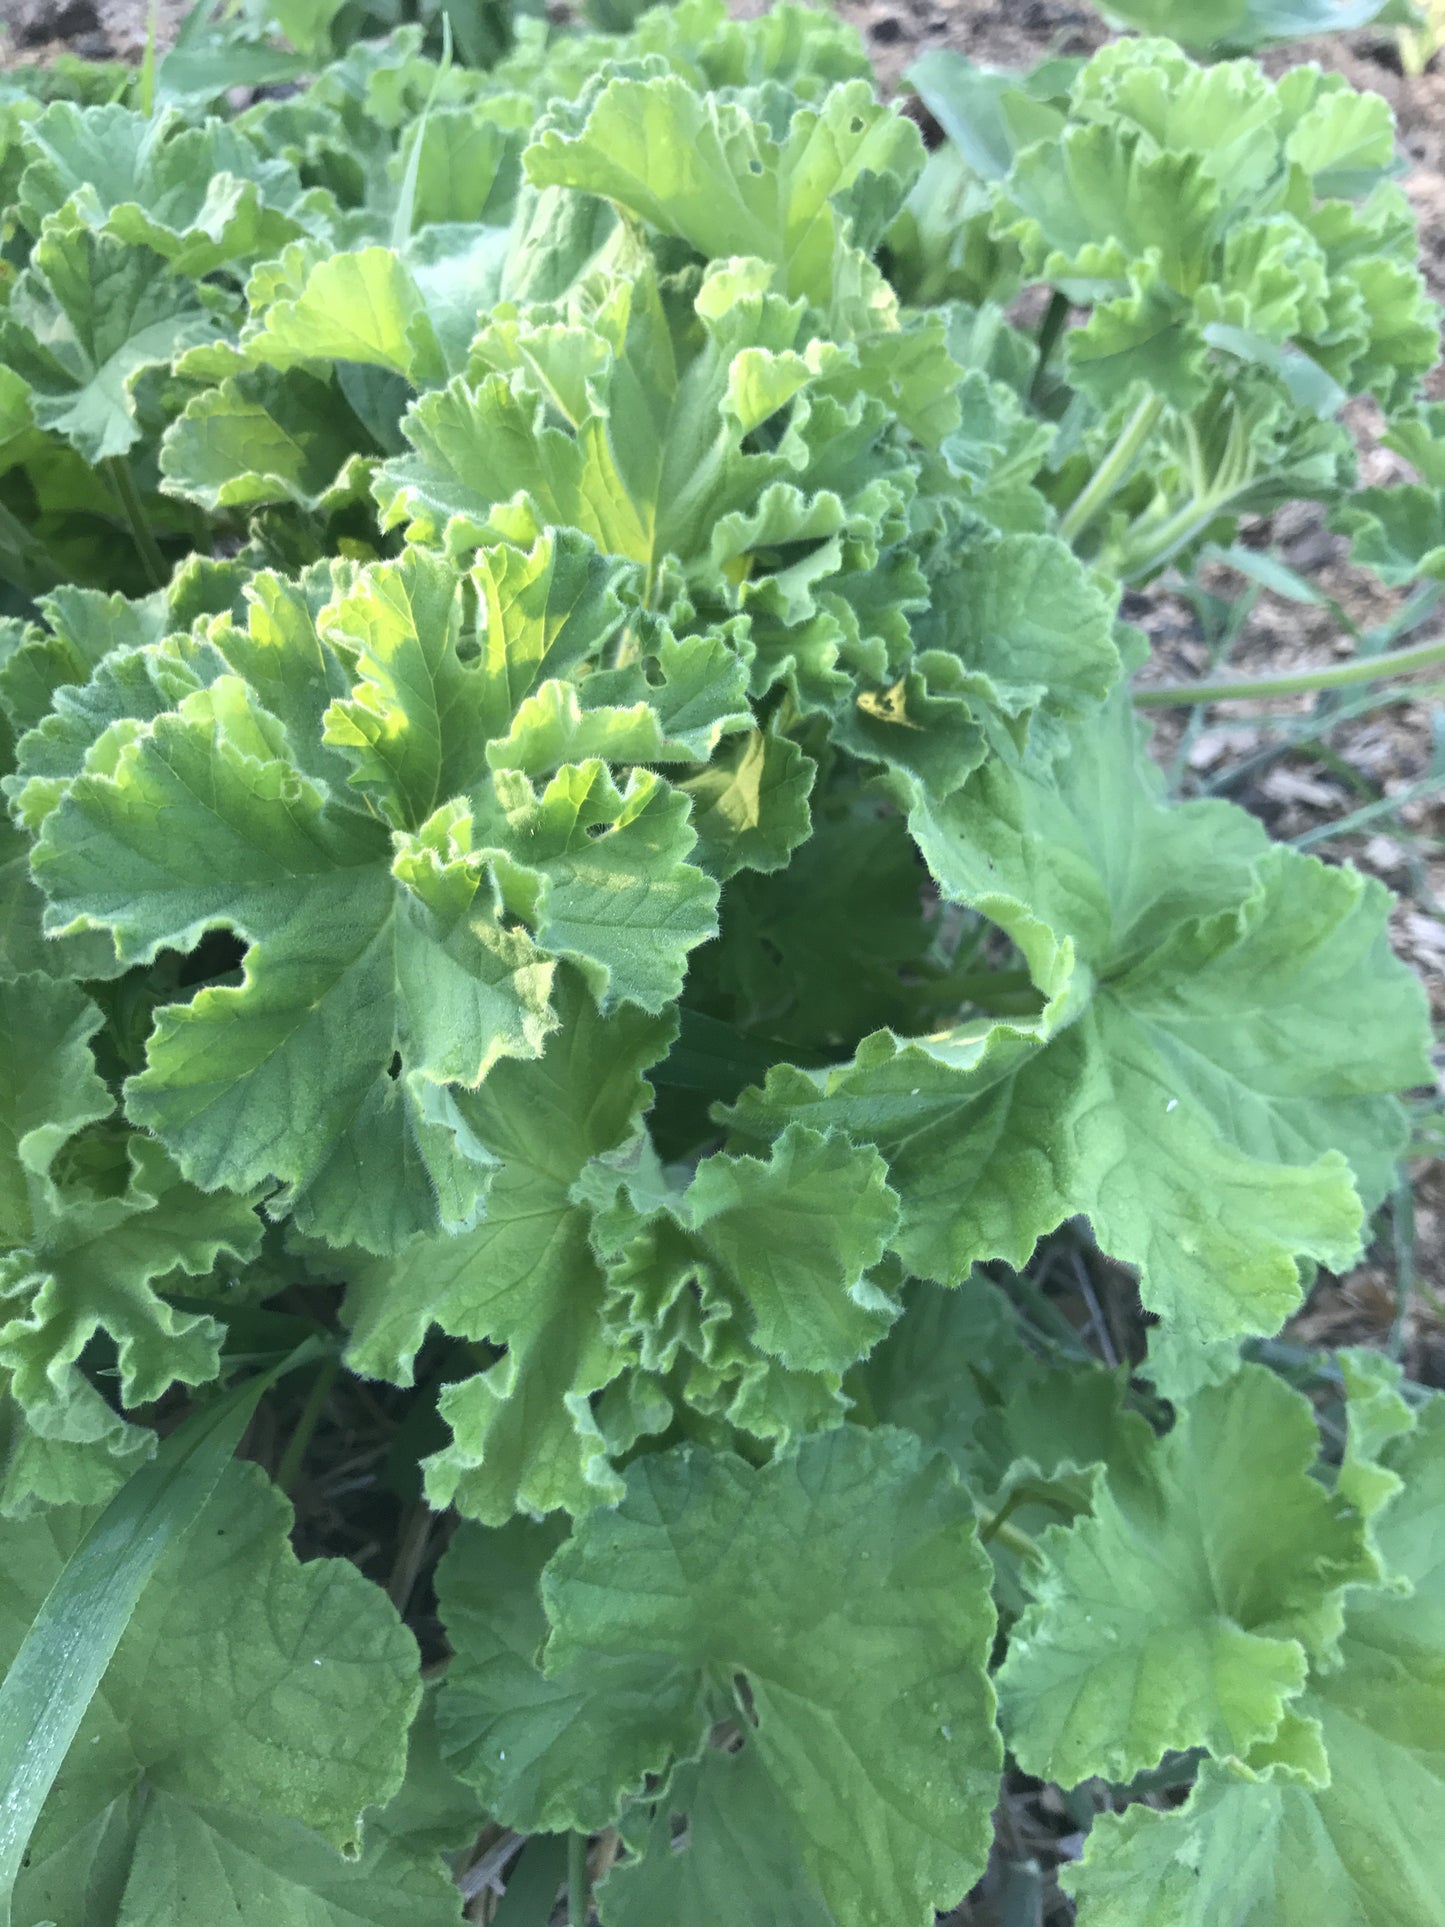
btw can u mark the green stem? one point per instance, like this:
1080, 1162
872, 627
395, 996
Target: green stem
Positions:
300, 1439
1051, 329
123, 482
1018, 1543
577, 1896
1115, 469
1149, 550
1302, 682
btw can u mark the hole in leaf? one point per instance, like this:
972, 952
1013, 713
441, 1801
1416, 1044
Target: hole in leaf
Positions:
393, 1069
855, 126
219, 954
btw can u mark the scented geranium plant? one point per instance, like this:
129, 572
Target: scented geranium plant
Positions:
582, 869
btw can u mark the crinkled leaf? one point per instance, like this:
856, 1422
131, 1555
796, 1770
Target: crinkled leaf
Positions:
1201, 1085
1184, 1612
368, 943
756, 1255
264, 437
245, 1682
701, 169
633, 425
316, 307
601, 874
1397, 532
1345, 1835
525, 1277
198, 196
84, 322
650, 1627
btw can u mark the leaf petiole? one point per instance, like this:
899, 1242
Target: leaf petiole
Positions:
578, 1899
1115, 469
118, 470
1301, 682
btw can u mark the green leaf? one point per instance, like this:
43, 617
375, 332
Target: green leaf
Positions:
254, 1870
1184, 1612
85, 321
627, 421
243, 1682
1025, 1435
650, 1627
727, 1798
989, 115
63, 1653
1201, 1086
365, 943
524, 1278
312, 307
1397, 532
266, 438
1335, 1835
1027, 622
703, 170
198, 196
1237, 26
544, 1749
750, 805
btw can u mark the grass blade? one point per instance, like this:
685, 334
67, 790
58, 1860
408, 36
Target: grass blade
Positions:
63, 1657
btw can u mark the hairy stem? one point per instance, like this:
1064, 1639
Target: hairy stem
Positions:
1051, 330
1301, 682
1115, 469
123, 482
577, 1895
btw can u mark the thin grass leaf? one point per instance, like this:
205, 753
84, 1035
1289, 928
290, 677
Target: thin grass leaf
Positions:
64, 1655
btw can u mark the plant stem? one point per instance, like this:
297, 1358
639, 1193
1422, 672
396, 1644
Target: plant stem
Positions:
577, 1896
1302, 682
997, 1527
1018, 1543
1051, 329
123, 482
1112, 473
311, 1411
